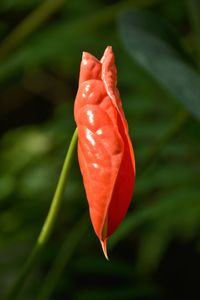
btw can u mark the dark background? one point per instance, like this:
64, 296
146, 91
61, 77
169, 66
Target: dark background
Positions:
155, 253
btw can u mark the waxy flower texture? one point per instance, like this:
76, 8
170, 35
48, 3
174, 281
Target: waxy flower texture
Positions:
105, 152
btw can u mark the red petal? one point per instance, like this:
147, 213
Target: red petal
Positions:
104, 148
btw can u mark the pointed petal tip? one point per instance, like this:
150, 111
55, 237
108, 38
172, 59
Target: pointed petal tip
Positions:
109, 48
104, 247
86, 56
107, 53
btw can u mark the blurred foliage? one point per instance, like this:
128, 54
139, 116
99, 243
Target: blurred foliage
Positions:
155, 252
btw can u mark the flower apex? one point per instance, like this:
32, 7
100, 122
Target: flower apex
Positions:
104, 247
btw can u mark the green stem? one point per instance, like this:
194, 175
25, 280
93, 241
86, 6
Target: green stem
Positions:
73, 238
49, 223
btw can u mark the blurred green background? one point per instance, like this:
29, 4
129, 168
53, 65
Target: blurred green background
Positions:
155, 254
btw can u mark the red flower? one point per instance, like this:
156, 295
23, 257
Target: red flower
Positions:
105, 151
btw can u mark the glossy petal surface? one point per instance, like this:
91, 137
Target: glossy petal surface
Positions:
105, 151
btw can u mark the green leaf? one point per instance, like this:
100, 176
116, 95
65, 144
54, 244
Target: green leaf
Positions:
154, 46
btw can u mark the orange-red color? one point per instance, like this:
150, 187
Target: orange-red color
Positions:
105, 151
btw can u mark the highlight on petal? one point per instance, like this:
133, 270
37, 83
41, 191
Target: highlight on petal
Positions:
105, 152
